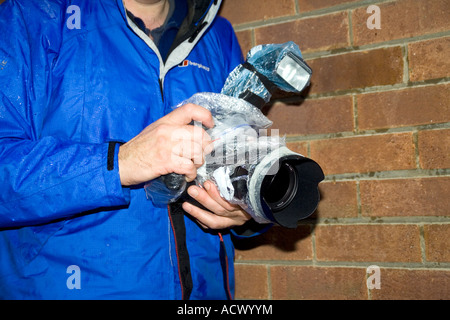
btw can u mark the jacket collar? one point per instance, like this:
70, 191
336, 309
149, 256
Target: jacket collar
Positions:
201, 14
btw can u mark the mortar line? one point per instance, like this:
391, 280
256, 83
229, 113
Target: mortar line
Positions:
365, 133
350, 28
253, 38
355, 114
381, 220
406, 78
358, 199
375, 46
416, 148
422, 243
385, 176
434, 266
269, 283
297, 7
366, 90
360, 91
313, 246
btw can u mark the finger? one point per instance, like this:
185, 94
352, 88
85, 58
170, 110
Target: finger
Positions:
189, 150
214, 193
185, 167
199, 135
189, 133
191, 112
200, 195
207, 219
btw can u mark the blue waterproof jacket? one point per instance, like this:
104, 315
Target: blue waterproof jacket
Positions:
75, 77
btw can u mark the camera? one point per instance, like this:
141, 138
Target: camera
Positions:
249, 166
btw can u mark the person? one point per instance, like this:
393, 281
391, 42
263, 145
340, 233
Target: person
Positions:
87, 96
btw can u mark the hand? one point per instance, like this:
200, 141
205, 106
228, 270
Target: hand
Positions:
168, 145
223, 214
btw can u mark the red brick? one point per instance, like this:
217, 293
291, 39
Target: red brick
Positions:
402, 19
357, 70
434, 149
318, 283
311, 34
277, 244
310, 5
313, 116
337, 200
251, 282
405, 197
377, 243
410, 284
408, 107
365, 154
238, 11
245, 41
299, 147
437, 242
429, 59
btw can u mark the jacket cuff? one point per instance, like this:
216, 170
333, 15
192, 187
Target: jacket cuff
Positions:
119, 195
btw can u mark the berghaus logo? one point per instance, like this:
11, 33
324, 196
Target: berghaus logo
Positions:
187, 63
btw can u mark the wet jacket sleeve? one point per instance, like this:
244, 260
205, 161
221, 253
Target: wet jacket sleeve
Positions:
43, 178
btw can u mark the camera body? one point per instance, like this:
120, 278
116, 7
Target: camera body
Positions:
249, 166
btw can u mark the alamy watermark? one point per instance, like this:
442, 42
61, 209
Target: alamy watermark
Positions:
374, 20
374, 279
74, 20
74, 280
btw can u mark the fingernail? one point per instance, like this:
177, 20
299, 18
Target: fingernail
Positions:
193, 192
187, 207
207, 185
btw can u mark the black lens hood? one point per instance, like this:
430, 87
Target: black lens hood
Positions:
288, 189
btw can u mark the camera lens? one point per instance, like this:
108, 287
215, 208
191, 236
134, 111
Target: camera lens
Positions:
281, 188
284, 188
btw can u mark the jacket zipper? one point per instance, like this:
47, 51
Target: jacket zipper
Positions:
161, 88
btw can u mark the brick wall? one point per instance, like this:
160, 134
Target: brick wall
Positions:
377, 119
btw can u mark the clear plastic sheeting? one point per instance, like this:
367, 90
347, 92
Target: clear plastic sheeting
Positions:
240, 141
250, 167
